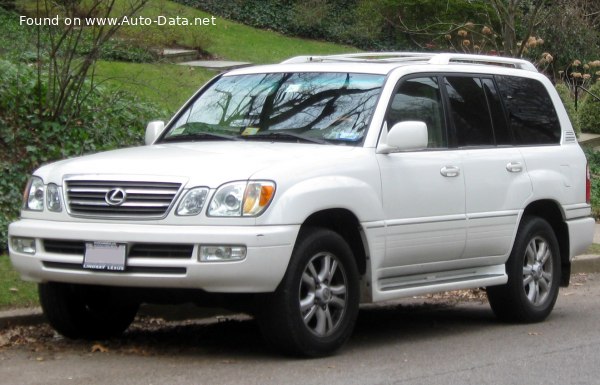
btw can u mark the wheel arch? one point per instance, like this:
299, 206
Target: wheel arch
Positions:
347, 225
551, 211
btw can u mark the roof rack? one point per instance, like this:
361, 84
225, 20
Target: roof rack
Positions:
406, 57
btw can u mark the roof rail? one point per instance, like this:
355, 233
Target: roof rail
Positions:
431, 58
378, 57
447, 58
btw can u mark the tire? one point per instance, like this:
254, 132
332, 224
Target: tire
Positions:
533, 270
313, 311
86, 312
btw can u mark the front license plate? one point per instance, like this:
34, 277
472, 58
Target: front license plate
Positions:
104, 256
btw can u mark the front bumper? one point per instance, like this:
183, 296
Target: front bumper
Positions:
268, 253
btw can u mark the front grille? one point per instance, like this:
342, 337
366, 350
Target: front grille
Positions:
90, 198
136, 250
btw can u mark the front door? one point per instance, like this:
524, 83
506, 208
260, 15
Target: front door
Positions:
423, 191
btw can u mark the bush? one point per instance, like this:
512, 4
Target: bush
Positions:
568, 100
568, 34
589, 111
15, 40
29, 139
7, 4
593, 158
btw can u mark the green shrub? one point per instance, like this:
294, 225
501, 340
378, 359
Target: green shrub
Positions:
593, 158
28, 139
16, 41
589, 111
7, 4
569, 101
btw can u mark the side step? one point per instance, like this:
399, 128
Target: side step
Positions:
410, 285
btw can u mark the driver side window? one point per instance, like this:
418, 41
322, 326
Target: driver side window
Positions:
419, 99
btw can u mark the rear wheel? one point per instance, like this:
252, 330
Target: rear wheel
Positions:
313, 311
533, 270
88, 312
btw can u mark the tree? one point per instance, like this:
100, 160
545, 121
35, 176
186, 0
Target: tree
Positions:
505, 27
67, 53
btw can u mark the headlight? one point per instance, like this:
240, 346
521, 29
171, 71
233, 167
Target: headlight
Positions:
193, 202
242, 199
33, 196
53, 198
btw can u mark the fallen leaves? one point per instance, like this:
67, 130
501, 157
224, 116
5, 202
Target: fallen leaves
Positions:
19, 335
99, 348
471, 295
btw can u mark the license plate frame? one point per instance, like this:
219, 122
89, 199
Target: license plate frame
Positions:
105, 256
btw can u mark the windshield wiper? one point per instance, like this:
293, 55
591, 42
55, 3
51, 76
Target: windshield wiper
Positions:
192, 137
285, 136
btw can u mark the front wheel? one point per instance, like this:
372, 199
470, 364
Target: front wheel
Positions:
86, 312
313, 311
533, 270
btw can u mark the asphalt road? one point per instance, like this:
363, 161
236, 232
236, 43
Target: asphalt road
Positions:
420, 341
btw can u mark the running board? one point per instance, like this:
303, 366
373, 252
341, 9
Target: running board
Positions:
418, 284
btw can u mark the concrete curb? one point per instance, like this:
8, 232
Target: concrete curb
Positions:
585, 264
34, 316
21, 317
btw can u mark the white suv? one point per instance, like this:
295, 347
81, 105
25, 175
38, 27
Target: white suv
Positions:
297, 191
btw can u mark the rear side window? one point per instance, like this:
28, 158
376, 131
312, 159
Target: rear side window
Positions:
531, 114
469, 111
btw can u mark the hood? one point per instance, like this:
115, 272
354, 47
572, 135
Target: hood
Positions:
201, 163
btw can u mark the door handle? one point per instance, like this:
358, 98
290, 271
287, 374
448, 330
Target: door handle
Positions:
514, 167
450, 171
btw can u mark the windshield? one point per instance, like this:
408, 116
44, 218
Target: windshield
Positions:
300, 107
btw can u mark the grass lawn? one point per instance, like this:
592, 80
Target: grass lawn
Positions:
594, 249
226, 39
15, 292
166, 85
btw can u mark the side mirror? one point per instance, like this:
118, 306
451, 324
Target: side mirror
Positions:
153, 130
404, 136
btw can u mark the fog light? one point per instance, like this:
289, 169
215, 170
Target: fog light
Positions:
222, 253
23, 245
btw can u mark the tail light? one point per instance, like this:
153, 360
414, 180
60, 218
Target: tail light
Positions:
588, 184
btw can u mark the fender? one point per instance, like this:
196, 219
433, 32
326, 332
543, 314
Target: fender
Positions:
299, 201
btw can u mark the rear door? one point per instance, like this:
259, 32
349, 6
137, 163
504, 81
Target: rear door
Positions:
496, 179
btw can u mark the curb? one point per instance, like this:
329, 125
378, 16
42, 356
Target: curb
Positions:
34, 316
585, 264
21, 317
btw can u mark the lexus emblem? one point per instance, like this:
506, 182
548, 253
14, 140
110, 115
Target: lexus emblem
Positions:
115, 196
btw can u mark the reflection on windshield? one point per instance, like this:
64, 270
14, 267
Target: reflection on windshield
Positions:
325, 106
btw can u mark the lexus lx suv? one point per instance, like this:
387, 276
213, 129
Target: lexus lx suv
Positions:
299, 190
